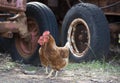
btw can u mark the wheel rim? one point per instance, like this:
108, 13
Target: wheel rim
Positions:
78, 37
27, 49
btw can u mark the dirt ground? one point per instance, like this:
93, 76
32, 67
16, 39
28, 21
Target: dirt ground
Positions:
11, 72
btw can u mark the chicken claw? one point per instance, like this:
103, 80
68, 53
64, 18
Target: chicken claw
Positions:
50, 74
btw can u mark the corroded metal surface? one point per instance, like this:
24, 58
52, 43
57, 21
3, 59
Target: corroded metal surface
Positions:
13, 5
27, 48
8, 34
114, 27
21, 24
8, 26
110, 7
16, 24
79, 37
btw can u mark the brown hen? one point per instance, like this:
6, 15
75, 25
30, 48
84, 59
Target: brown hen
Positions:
52, 55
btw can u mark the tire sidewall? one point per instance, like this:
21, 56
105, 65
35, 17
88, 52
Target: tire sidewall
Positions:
88, 17
41, 19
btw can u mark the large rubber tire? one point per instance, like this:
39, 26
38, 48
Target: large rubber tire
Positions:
4, 45
45, 20
94, 43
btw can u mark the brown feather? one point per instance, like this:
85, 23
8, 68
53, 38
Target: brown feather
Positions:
52, 55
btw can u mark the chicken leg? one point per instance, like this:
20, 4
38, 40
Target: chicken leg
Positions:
50, 74
46, 70
56, 74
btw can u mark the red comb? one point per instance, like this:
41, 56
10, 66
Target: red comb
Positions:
40, 41
46, 33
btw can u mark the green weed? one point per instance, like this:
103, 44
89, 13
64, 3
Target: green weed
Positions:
94, 66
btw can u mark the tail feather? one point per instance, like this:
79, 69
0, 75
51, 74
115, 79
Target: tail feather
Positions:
67, 44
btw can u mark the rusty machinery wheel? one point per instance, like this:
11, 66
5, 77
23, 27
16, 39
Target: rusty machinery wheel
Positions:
25, 48
86, 29
39, 19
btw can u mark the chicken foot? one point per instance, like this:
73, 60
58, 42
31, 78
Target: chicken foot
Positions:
50, 74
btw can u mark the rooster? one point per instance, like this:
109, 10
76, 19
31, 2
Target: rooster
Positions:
51, 55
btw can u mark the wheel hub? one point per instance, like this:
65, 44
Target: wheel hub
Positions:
27, 48
78, 37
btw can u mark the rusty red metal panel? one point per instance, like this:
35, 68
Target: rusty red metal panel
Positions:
13, 5
8, 26
53, 3
110, 7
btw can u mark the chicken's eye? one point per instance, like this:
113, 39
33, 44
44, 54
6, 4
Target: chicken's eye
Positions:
46, 38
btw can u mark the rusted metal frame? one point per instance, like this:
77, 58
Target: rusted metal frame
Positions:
13, 5
17, 25
53, 3
114, 27
21, 21
8, 34
7, 28
4, 15
111, 5
112, 13
115, 32
70, 36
